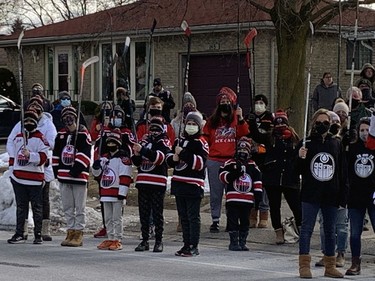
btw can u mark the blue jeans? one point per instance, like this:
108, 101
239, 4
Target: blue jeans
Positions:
356, 217
342, 230
216, 189
309, 214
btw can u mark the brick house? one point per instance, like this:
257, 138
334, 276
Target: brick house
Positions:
54, 53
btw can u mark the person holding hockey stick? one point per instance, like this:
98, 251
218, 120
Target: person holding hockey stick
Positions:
223, 128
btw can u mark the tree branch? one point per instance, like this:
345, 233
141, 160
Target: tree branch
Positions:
259, 6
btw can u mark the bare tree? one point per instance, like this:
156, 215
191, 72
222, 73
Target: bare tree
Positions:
291, 20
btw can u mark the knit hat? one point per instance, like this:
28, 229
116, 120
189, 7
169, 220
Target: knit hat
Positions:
69, 110
195, 116
64, 94
188, 97
280, 117
156, 124
365, 66
364, 82
36, 101
356, 95
228, 92
341, 106
334, 117
262, 98
157, 82
118, 111
32, 116
114, 136
37, 89
244, 143
106, 105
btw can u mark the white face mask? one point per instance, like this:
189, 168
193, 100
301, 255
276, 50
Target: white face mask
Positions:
260, 108
191, 129
363, 136
117, 122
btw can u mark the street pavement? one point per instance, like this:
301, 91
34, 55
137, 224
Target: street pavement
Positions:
264, 261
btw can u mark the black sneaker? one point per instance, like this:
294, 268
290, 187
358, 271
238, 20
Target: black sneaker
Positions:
192, 252
38, 239
16, 239
158, 247
143, 246
184, 250
214, 228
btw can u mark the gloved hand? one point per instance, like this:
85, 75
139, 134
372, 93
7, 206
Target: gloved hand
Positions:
236, 173
121, 197
96, 165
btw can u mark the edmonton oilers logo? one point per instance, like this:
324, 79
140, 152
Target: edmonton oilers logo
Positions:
364, 165
147, 165
22, 160
108, 178
243, 184
322, 166
67, 155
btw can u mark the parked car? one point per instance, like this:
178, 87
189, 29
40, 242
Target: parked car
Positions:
9, 115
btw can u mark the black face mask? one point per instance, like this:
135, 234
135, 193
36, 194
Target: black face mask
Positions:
154, 112
68, 121
321, 127
112, 148
355, 103
30, 127
106, 112
243, 156
366, 95
334, 129
225, 108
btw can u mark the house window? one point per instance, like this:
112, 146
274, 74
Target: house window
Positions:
140, 70
363, 53
122, 67
107, 73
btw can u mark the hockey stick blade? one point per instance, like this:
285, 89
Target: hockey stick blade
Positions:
185, 27
153, 26
250, 36
90, 61
311, 28
126, 46
20, 39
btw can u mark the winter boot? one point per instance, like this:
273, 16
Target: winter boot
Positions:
77, 239
242, 240
279, 236
25, 229
330, 268
263, 219
105, 245
214, 227
340, 259
355, 268
233, 246
253, 219
69, 236
304, 266
46, 235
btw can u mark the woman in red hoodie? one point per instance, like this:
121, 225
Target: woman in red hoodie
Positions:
223, 128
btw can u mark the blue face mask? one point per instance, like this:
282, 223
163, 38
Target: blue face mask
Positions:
65, 102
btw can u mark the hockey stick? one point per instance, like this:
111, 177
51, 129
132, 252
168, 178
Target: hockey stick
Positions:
248, 39
308, 86
185, 27
339, 51
20, 74
85, 64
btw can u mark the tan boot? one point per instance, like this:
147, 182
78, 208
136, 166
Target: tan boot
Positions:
355, 269
69, 237
253, 219
279, 236
330, 268
340, 259
46, 235
263, 221
304, 266
77, 239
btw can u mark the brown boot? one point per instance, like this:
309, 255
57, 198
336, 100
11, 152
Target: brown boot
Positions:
263, 221
69, 237
77, 239
279, 236
304, 266
340, 259
355, 269
253, 219
330, 268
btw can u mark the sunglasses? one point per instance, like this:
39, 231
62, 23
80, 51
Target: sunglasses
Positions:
65, 98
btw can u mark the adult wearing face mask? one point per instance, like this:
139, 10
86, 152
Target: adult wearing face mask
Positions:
65, 100
279, 177
188, 158
260, 124
47, 128
223, 128
323, 167
71, 163
127, 105
362, 188
38, 90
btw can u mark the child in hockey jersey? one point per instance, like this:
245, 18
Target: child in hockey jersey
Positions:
189, 161
243, 192
27, 177
149, 157
114, 171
